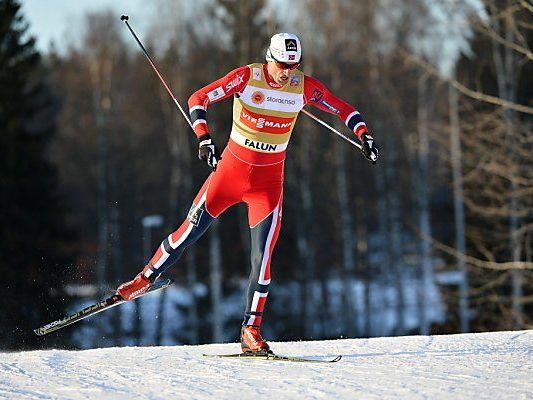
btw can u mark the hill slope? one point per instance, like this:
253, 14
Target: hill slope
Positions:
483, 366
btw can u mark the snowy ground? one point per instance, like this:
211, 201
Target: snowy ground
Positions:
481, 366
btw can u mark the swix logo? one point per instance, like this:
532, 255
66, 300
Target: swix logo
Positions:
138, 292
260, 145
271, 99
234, 82
266, 123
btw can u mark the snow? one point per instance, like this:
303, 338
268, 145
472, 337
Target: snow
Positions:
495, 365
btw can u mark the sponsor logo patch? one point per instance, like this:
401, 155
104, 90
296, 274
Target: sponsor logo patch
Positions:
295, 80
256, 74
260, 145
329, 107
290, 45
216, 93
265, 123
317, 95
195, 214
234, 82
258, 97
278, 100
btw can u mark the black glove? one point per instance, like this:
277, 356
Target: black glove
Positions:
208, 151
369, 147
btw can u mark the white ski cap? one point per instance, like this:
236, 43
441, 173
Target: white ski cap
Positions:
284, 47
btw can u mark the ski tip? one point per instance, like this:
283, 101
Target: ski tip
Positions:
338, 358
43, 330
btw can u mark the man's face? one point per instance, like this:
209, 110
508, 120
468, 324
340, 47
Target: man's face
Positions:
279, 72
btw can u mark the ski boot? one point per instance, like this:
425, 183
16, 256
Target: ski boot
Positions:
252, 342
137, 286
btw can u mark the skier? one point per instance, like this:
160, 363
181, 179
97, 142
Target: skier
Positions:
267, 100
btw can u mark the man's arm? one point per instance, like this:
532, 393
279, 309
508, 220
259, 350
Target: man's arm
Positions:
233, 82
318, 95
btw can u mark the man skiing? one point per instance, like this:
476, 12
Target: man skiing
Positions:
267, 100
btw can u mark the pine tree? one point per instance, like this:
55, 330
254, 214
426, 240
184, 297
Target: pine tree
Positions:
32, 234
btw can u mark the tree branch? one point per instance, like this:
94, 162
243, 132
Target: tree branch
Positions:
476, 262
526, 5
493, 35
463, 89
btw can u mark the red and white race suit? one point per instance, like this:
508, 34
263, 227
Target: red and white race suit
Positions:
251, 168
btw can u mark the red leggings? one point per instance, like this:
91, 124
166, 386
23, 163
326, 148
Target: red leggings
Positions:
234, 181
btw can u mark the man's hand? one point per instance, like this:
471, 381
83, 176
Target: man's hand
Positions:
369, 147
208, 151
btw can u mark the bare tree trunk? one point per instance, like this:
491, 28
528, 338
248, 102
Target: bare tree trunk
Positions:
393, 223
101, 77
112, 193
215, 276
458, 206
423, 205
391, 227
347, 231
506, 65
116, 251
348, 243
390, 221
383, 229
305, 248
363, 268
103, 225
395, 234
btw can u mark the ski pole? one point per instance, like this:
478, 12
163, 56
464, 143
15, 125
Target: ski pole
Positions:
331, 128
125, 19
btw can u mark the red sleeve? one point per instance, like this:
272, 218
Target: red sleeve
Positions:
233, 82
319, 96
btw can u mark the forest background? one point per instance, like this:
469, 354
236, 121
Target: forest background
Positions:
97, 165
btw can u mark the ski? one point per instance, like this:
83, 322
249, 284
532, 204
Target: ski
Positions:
272, 357
103, 305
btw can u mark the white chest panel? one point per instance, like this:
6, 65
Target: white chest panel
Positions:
274, 100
